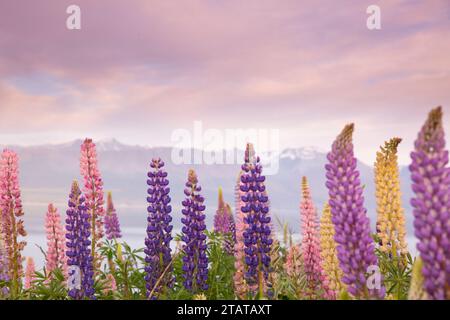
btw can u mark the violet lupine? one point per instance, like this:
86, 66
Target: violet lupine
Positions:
79, 255
240, 285
431, 185
221, 219
56, 243
355, 246
224, 223
195, 260
257, 234
30, 273
112, 225
10, 212
316, 281
159, 231
93, 190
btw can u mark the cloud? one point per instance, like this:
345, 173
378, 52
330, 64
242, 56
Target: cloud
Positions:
138, 70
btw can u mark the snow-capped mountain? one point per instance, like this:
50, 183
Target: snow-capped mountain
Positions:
47, 171
305, 153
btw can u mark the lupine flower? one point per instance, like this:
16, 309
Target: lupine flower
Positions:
30, 273
4, 276
110, 283
221, 218
231, 240
328, 252
195, 261
112, 225
417, 287
315, 278
159, 231
56, 243
355, 246
93, 190
431, 185
224, 223
240, 285
11, 210
79, 254
294, 261
391, 219
200, 296
257, 234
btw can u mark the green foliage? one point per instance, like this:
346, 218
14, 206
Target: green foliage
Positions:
50, 286
221, 271
396, 271
126, 266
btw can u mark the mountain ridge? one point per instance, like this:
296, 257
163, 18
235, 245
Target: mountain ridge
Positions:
46, 172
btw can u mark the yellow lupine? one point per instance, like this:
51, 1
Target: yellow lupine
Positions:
200, 296
391, 220
330, 262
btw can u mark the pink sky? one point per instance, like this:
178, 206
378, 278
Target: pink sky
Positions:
140, 69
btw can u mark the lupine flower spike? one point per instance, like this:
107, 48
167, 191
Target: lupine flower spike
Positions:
11, 225
4, 276
30, 273
330, 262
224, 223
229, 243
294, 261
431, 184
316, 281
159, 231
110, 284
93, 190
257, 234
195, 261
79, 257
240, 285
56, 243
355, 246
112, 225
391, 220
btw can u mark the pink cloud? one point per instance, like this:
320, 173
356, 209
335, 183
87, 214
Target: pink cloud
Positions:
143, 68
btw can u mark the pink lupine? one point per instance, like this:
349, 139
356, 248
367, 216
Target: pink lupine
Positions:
293, 264
93, 190
4, 274
316, 281
56, 247
30, 273
240, 285
110, 284
11, 211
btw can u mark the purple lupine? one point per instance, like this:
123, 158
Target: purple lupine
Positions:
79, 257
257, 234
224, 223
111, 220
195, 261
355, 246
159, 231
431, 184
